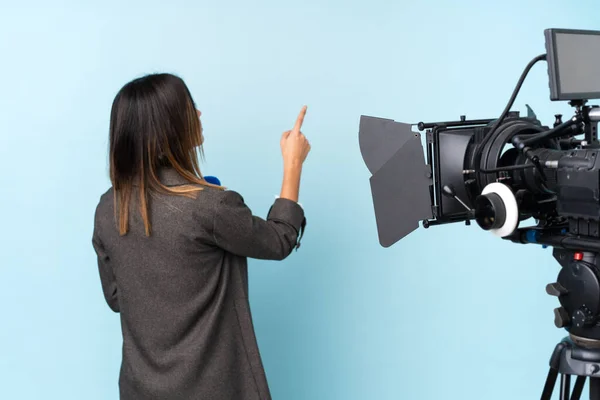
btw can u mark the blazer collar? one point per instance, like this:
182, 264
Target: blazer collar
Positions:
170, 177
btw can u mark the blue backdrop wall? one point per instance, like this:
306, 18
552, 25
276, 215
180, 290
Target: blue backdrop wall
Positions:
447, 312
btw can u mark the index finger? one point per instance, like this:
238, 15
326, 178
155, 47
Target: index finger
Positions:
300, 119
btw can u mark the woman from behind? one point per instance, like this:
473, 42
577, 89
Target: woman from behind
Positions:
172, 250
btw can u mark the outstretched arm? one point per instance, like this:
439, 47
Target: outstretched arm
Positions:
238, 231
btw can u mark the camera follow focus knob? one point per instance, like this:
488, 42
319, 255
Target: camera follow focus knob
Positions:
496, 209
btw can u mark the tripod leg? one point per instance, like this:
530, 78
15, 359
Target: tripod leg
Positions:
565, 386
594, 388
549, 385
578, 389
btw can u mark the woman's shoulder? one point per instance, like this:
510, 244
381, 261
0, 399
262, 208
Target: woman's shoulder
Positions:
213, 198
106, 200
104, 212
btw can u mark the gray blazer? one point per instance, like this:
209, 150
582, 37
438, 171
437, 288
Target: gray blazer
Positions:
182, 293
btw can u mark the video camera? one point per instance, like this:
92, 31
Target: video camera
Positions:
501, 172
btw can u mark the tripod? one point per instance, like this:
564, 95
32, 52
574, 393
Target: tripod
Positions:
574, 357
578, 355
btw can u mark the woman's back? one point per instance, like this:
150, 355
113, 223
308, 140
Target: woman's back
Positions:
183, 299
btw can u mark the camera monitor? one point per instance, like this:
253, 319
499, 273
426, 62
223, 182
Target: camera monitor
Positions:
573, 58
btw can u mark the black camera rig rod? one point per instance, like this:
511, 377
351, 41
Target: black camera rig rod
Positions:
453, 124
560, 130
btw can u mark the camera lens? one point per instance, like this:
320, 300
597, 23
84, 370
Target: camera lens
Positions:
490, 212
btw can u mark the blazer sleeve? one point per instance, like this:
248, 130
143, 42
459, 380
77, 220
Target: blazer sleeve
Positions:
238, 231
107, 277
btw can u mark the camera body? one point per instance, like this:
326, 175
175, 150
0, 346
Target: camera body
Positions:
558, 185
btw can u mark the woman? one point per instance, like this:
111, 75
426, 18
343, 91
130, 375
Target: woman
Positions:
172, 250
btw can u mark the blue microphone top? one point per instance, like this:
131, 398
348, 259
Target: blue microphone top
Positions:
212, 179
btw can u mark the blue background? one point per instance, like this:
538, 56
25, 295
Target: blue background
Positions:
451, 311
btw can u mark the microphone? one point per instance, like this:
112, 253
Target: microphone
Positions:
213, 180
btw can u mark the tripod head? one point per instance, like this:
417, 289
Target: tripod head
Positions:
578, 283
578, 290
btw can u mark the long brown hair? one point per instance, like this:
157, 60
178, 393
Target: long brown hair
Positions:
153, 124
